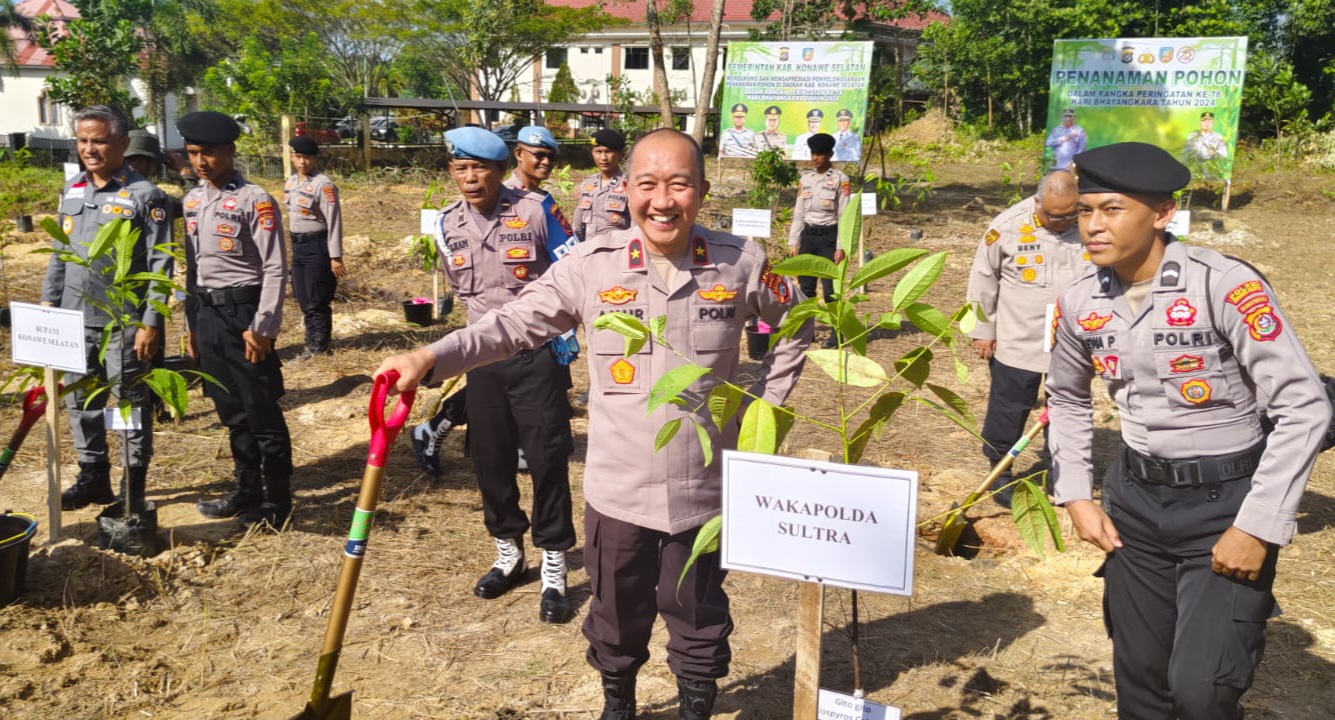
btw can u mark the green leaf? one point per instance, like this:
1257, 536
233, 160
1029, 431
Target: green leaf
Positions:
915, 365
724, 401
784, 420
961, 371
53, 229
881, 411
706, 445
955, 402
851, 329
673, 383
890, 321
1035, 517
706, 541
626, 325
885, 264
810, 265
666, 433
104, 239
928, 319
849, 369
657, 325
968, 318
760, 432
918, 280
171, 387
800, 314
961, 422
850, 225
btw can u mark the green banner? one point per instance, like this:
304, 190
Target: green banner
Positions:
778, 94
1182, 94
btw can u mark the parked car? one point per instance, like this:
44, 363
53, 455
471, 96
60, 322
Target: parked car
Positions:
384, 129
348, 127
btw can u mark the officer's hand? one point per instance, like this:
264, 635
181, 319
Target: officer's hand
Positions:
145, 343
411, 367
838, 256
192, 345
1238, 555
336, 264
1093, 525
985, 348
258, 347
792, 252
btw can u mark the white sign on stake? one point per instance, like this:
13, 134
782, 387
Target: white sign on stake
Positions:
847, 525
868, 203
47, 337
427, 221
751, 223
831, 705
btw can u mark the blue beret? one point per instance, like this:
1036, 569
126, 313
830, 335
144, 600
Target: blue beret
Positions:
474, 143
1130, 167
208, 127
537, 136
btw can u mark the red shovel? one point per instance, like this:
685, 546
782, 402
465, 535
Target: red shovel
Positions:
383, 432
34, 406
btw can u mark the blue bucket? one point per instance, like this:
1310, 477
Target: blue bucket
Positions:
16, 531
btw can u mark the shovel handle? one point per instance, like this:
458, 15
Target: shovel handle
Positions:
1005, 462
385, 429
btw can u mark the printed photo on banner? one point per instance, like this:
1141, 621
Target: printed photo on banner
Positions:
1182, 94
778, 94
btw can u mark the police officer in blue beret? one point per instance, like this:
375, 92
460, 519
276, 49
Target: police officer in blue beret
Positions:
535, 159
1194, 349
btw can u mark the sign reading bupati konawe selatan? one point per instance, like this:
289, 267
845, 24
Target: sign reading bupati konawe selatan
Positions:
1182, 94
778, 94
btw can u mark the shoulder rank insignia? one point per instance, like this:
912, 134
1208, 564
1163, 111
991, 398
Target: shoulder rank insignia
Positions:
635, 254
699, 250
991, 236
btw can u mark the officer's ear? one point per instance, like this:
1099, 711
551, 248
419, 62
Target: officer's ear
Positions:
704, 188
1164, 211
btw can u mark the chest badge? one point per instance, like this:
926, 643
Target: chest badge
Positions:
617, 295
458, 260
229, 204
623, 373
515, 223
518, 253
1181, 313
1196, 391
1094, 321
67, 225
226, 244
1028, 274
520, 271
718, 294
991, 237
1186, 364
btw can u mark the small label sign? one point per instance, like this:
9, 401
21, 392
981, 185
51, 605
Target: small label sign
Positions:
115, 420
47, 337
838, 706
868, 203
751, 223
427, 221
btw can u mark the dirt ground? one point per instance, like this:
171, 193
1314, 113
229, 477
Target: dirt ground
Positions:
223, 624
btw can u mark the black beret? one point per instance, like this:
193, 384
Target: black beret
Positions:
303, 145
610, 139
1130, 167
821, 143
208, 127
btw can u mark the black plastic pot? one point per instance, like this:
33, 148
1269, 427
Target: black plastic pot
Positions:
757, 344
23, 223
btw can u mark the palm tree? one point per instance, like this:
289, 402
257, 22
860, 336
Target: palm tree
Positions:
10, 17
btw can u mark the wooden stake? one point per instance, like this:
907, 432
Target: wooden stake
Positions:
1228, 191
52, 455
810, 623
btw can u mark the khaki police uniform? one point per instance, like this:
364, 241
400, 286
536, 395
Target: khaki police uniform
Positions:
738, 143
236, 264
1192, 372
1018, 270
644, 507
602, 206
770, 141
316, 222
821, 199
84, 210
519, 403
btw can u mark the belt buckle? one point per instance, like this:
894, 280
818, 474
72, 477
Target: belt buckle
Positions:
1186, 474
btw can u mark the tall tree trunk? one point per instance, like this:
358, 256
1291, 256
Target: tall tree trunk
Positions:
660, 70
705, 97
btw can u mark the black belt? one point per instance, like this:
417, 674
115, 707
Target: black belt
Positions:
317, 236
1192, 472
228, 296
821, 230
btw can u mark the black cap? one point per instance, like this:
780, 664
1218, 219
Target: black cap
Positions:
610, 139
144, 144
208, 127
1130, 167
821, 143
815, 114
844, 114
303, 145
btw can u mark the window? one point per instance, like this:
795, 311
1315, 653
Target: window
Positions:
48, 113
637, 58
556, 57
584, 51
681, 58
597, 51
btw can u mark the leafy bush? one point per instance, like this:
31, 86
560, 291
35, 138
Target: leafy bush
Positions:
771, 174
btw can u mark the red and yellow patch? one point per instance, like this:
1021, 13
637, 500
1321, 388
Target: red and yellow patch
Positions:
518, 253
617, 295
776, 284
1099, 367
268, 223
1094, 321
718, 294
330, 195
635, 255
623, 373
515, 223
1196, 391
699, 251
846, 189
1263, 324
1186, 364
1181, 313
191, 203
458, 260
1250, 287
520, 271
226, 229
229, 204
991, 237
226, 244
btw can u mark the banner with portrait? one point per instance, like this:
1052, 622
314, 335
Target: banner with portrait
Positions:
1182, 94
778, 94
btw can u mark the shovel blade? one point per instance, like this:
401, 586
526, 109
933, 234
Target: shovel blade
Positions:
338, 707
951, 530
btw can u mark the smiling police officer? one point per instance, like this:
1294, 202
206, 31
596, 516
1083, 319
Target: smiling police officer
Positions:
1194, 348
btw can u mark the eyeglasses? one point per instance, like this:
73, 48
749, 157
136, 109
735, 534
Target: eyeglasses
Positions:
540, 156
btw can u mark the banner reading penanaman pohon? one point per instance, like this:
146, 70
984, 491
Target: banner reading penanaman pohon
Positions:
1182, 94
778, 94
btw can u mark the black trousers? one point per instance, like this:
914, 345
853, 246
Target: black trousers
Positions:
822, 241
1010, 397
247, 402
1186, 641
633, 572
313, 284
521, 403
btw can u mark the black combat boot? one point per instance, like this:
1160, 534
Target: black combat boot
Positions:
618, 698
695, 698
506, 572
248, 496
93, 485
277, 505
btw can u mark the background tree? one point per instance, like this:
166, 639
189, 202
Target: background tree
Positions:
10, 17
564, 90
707, 77
95, 54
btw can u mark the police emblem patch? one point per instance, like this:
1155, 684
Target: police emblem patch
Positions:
1181, 313
1029, 275
515, 223
1186, 364
520, 271
518, 253
158, 214
1094, 321
67, 225
991, 236
229, 204
718, 294
226, 244
1196, 391
617, 295
623, 373
330, 195
1264, 325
